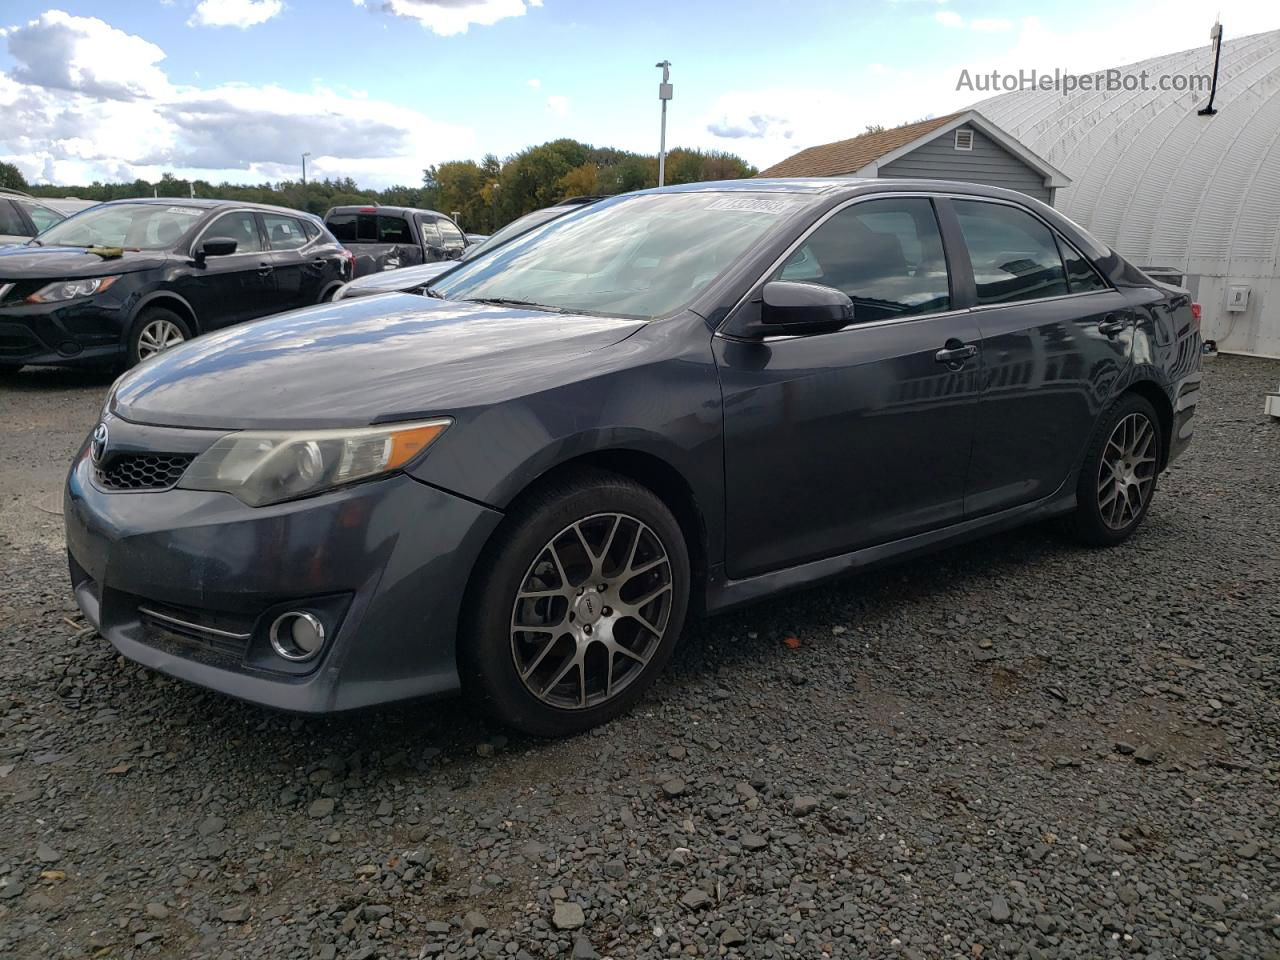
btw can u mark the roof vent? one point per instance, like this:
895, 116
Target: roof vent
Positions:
964, 139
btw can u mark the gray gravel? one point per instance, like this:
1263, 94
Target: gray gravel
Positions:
1017, 748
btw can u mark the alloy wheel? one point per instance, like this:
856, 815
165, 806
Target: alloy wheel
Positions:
158, 336
1127, 471
591, 611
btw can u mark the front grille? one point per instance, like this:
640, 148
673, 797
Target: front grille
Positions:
196, 635
143, 471
17, 342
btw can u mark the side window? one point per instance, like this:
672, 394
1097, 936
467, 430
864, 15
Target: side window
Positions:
430, 235
452, 235
241, 226
310, 229
343, 227
1014, 255
394, 230
10, 223
885, 254
42, 217
1081, 276
283, 233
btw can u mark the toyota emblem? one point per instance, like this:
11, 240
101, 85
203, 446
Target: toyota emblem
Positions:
98, 446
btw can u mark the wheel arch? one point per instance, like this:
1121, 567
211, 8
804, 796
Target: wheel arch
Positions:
169, 300
653, 473
1154, 394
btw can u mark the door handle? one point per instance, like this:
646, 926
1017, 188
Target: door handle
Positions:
1112, 325
264, 269
955, 356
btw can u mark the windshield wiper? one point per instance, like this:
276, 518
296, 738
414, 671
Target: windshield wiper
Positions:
512, 302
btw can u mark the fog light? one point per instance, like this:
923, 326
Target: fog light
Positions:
297, 636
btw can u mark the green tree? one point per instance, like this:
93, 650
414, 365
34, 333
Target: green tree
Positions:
11, 177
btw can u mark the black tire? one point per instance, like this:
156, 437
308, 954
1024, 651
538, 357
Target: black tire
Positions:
489, 645
148, 317
1098, 520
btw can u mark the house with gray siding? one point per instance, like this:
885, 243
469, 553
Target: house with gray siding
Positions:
960, 146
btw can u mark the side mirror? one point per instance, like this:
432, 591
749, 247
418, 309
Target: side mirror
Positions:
788, 307
215, 247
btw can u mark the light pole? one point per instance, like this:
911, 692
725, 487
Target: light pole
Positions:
664, 94
304, 168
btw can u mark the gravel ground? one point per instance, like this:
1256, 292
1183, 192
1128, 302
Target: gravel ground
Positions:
1017, 748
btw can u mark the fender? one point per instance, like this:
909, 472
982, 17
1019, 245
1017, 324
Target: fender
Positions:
161, 294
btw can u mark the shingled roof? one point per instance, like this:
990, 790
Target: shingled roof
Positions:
849, 156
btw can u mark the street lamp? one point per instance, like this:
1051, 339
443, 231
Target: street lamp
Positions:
664, 94
304, 168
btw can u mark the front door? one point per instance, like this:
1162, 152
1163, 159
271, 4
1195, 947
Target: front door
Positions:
861, 437
237, 287
1055, 340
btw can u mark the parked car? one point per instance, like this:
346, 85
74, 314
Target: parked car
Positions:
22, 216
416, 279
388, 238
688, 398
125, 280
474, 238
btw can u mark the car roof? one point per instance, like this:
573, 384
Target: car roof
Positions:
384, 209
208, 203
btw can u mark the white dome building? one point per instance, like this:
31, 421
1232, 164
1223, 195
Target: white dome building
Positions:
1169, 188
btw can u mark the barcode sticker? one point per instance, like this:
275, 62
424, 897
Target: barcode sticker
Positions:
752, 205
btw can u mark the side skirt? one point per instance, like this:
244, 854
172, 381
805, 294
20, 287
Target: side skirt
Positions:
724, 594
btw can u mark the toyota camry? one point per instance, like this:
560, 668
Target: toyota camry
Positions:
670, 402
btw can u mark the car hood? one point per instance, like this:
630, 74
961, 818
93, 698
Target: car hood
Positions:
34, 263
353, 363
389, 281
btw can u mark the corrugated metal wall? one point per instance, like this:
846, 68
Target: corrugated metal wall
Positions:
1167, 187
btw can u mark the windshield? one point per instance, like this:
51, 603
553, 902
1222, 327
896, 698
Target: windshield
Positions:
140, 226
640, 256
515, 228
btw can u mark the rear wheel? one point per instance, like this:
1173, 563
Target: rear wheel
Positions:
155, 331
578, 605
1118, 479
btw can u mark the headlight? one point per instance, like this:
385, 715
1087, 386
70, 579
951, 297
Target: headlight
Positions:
70, 289
262, 467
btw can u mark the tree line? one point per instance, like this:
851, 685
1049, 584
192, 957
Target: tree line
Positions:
483, 195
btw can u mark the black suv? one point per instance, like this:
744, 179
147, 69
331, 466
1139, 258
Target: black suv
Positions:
130, 278
387, 238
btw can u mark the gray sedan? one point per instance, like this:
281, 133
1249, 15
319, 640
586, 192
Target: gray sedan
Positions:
678, 400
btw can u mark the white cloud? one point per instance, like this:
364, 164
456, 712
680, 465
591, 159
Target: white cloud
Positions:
535, 83
234, 13
74, 111
949, 18
450, 17
558, 105
991, 25
84, 55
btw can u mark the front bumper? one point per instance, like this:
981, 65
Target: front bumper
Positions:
87, 331
384, 564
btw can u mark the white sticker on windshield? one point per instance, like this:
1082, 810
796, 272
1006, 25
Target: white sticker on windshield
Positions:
185, 211
751, 205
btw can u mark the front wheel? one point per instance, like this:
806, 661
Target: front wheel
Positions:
579, 602
1118, 479
156, 330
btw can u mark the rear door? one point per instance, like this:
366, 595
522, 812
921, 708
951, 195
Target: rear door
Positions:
299, 277
860, 437
40, 217
1055, 340
234, 288
13, 225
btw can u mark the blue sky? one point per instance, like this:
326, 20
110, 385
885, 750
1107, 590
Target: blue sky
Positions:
235, 89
